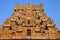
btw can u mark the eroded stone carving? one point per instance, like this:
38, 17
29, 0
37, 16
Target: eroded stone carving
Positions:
29, 18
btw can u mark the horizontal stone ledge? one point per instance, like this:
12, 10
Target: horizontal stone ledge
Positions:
29, 39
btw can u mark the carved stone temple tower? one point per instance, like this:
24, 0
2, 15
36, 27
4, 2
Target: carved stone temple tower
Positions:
29, 22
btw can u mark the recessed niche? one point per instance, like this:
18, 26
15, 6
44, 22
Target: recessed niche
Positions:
28, 32
28, 22
19, 31
42, 10
13, 32
34, 10
41, 22
15, 10
19, 18
10, 28
46, 27
38, 17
